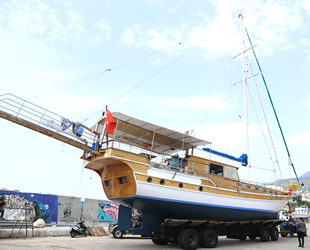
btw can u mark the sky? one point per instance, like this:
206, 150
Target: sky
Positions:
165, 62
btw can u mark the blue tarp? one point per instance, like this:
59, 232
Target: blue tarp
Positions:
243, 158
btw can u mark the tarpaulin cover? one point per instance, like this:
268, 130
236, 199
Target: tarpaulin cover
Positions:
243, 158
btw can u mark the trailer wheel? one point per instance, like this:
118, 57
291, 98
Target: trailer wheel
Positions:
180, 239
209, 238
117, 234
190, 239
264, 234
160, 241
252, 237
274, 233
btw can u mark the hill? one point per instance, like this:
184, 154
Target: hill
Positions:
304, 178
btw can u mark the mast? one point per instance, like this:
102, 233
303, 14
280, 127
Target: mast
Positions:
245, 98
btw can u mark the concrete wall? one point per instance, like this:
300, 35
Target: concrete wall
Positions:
69, 211
61, 210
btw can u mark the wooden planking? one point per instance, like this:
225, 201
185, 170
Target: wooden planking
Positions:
194, 187
112, 173
129, 156
224, 182
198, 164
136, 167
97, 231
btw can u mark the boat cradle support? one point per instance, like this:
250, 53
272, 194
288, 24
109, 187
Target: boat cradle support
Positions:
172, 228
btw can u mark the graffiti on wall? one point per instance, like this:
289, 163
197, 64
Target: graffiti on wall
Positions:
45, 206
67, 215
108, 212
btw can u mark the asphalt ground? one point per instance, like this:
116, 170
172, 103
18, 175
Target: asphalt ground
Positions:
138, 243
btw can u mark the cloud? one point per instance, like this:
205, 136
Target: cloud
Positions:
306, 102
266, 21
302, 139
104, 28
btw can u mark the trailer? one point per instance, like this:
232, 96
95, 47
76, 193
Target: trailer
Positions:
190, 234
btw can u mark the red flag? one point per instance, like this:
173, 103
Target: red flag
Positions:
110, 123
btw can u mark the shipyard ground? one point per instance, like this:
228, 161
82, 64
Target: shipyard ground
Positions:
58, 238
138, 243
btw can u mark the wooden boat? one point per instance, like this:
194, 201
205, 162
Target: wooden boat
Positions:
138, 167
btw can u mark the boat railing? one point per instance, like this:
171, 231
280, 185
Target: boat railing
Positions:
34, 117
161, 160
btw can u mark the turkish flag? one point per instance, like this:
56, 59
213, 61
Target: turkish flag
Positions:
110, 123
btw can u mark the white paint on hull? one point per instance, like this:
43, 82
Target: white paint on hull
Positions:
171, 194
168, 175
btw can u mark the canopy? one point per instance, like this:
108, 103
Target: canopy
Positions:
140, 133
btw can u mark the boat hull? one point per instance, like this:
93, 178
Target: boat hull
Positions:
168, 202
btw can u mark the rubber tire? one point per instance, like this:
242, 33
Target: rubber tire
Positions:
117, 234
73, 234
160, 242
180, 239
264, 234
209, 238
190, 239
252, 237
274, 233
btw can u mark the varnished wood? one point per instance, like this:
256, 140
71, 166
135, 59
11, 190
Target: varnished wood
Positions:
112, 173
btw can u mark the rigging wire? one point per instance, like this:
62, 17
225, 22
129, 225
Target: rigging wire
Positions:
275, 113
261, 103
141, 83
78, 80
260, 125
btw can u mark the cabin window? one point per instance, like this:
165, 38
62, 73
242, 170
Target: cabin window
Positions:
256, 188
276, 193
248, 186
238, 184
181, 185
123, 180
162, 182
216, 169
200, 188
264, 190
149, 179
107, 183
270, 191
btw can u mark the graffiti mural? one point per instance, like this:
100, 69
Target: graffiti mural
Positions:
45, 206
108, 212
67, 215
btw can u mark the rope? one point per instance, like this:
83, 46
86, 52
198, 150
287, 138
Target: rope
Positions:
261, 128
274, 149
82, 174
62, 147
275, 113
72, 82
141, 82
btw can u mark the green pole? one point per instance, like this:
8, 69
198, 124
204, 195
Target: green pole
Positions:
288, 153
